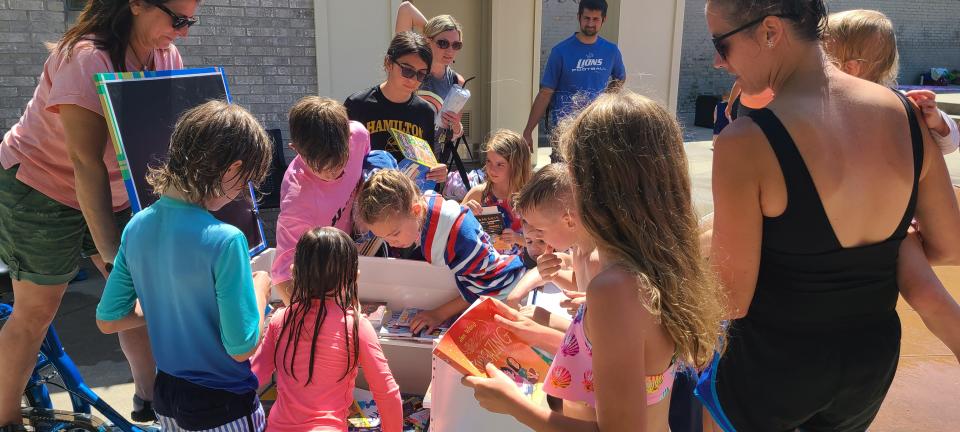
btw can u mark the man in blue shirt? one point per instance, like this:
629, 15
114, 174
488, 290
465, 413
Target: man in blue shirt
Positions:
579, 68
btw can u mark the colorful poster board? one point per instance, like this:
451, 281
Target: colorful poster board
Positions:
141, 109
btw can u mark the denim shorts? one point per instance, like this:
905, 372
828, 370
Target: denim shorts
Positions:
41, 239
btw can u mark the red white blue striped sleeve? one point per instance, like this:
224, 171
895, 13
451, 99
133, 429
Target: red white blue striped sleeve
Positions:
452, 234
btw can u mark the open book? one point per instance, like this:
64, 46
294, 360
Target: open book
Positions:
476, 339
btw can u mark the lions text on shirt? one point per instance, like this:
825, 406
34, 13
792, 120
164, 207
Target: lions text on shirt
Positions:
578, 72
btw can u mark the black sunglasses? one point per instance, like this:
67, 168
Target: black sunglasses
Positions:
179, 21
444, 44
409, 72
722, 47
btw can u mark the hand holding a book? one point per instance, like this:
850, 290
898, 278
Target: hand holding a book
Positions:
438, 173
474, 207
426, 320
498, 393
528, 330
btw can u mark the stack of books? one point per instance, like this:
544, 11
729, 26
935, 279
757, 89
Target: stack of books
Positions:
375, 312
397, 327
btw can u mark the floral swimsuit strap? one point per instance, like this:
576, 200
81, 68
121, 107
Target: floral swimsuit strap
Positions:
659, 386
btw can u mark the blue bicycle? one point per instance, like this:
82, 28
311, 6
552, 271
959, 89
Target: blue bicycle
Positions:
54, 367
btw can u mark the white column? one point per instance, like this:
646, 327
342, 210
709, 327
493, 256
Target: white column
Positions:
650, 36
514, 61
352, 39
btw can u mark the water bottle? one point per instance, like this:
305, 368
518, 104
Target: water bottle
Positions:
456, 98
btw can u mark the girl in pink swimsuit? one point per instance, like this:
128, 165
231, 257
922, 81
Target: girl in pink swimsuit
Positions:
652, 304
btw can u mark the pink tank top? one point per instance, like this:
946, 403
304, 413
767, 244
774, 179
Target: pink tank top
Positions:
571, 374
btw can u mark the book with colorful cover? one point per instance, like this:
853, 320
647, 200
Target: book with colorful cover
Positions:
417, 173
397, 326
491, 220
363, 414
414, 148
476, 339
398, 323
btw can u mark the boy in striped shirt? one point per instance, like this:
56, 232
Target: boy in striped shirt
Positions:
449, 235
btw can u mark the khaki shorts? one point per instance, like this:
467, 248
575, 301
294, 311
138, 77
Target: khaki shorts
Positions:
42, 240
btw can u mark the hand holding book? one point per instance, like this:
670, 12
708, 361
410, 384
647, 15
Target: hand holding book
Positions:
497, 392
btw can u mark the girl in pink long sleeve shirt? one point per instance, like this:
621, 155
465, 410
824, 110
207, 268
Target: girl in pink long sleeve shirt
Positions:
316, 344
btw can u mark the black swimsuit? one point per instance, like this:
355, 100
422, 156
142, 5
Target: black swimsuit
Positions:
819, 346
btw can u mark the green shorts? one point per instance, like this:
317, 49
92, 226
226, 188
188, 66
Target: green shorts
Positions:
42, 240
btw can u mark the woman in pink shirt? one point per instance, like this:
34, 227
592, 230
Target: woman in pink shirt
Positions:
317, 343
61, 193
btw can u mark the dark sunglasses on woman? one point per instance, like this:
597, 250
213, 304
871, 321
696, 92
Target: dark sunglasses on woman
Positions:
444, 44
409, 72
179, 21
721, 47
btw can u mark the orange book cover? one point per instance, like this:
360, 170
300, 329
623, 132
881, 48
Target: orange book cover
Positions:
476, 339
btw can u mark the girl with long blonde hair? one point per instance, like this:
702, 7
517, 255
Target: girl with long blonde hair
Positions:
653, 304
507, 168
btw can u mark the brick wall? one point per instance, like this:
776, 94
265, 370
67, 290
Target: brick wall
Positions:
558, 22
266, 46
24, 26
927, 36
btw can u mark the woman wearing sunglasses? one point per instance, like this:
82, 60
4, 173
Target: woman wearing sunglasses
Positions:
813, 196
446, 40
393, 104
61, 193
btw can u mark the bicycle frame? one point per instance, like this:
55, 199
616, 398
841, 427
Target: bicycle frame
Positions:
81, 396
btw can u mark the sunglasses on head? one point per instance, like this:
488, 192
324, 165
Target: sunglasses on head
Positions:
721, 47
444, 44
409, 72
179, 21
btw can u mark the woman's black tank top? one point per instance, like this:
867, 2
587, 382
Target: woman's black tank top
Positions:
806, 278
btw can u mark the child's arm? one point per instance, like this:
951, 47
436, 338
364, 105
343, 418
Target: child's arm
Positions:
241, 299
480, 270
950, 141
409, 18
922, 289
262, 363
553, 267
118, 309
472, 199
430, 319
944, 129
385, 391
533, 332
529, 282
291, 224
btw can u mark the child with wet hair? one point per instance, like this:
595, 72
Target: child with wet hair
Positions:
318, 344
187, 277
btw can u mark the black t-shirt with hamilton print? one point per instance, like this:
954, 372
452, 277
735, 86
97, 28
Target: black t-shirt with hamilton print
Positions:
378, 114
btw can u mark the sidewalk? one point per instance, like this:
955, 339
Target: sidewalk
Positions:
924, 395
